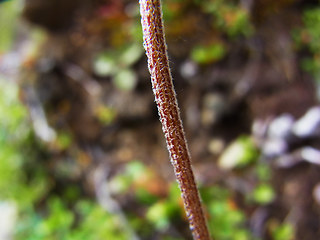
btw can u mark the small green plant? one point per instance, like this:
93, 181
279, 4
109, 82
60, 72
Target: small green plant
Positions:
166, 211
229, 17
263, 194
284, 231
239, 153
134, 174
117, 64
106, 115
226, 220
208, 54
25, 182
16, 143
308, 37
86, 220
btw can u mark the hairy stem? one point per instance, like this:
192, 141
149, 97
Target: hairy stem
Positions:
156, 50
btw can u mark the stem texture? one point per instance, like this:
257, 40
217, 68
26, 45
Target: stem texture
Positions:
165, 97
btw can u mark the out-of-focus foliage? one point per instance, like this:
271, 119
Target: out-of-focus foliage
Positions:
117, 64
16, 143
165, 211
263, 194
221, 49
308, 37
283, 232
207, 54
240, 153
25, 183
228, 17
9, 12
85, 220
226, 220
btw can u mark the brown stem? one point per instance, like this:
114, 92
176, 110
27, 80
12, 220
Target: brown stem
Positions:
156, 50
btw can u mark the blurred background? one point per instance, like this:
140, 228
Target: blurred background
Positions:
82, 155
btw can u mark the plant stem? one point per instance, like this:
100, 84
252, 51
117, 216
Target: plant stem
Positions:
165, 96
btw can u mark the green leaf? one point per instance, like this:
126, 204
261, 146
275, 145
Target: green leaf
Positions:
105, 65
131, 55
158, 215
239, 153
263, 172
125, 80
145, 197
208, 54
106, 114
283, 232
263, 194
135, 169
